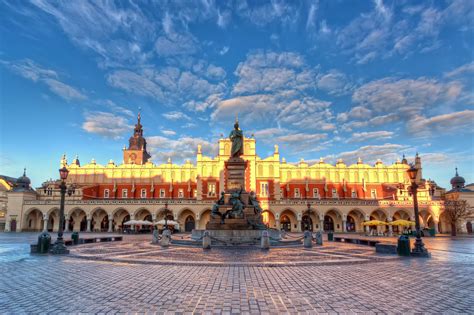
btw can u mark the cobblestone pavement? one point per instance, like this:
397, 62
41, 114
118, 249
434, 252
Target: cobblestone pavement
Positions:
51, 284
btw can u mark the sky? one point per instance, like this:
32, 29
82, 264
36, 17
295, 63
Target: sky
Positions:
332, 79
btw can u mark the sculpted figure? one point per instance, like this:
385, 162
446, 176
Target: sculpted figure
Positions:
237, 138
237, 205
254, 202
215, 207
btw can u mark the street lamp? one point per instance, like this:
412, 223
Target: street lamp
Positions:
166, 216
59, 247
419, 249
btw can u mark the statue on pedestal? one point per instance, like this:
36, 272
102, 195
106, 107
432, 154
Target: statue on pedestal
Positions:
215, 207
237, 138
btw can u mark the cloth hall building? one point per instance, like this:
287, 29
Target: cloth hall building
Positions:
340, 197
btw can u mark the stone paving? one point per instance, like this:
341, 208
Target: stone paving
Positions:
51, 284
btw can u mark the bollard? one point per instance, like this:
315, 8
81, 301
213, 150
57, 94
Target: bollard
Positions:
308, 240
206, 240
319, 238
165, 238
265, 240
156, 237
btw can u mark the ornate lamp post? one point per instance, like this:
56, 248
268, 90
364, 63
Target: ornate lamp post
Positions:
308, 214
419, 249
166, 216
59, 247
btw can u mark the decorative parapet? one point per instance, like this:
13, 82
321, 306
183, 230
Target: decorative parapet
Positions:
122, 202
354, 202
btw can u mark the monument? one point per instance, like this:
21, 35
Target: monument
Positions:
236, 218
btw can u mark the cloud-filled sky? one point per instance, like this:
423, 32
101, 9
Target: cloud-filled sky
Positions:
332, 79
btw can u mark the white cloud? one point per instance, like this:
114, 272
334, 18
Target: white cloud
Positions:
116, 108
334, 82
168, 132
467, 68
270, 71
106, 124
458, 122
215, 73
28, 69
223, 18
387, 152
224, 50
176, 44
311, 20
134, 83
200, 106
162, 148
364, 136
176, 115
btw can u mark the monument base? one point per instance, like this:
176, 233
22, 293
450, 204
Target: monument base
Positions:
236, 237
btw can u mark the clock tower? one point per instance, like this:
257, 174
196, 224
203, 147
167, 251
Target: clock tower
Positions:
136, 152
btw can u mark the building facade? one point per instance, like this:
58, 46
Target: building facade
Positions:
340, 197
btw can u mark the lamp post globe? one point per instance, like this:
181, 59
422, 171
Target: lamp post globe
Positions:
419, 250
59, 247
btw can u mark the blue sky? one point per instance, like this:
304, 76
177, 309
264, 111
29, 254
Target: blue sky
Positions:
332, 79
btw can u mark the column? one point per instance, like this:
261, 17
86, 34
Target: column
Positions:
321, 223
390, 227
298, 227
367, 229
344, 225
111, 219
45, 223
277, 224
436, 227
7, 226
66, 225
89, 221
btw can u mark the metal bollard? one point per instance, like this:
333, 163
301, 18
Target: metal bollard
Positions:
319, 238
206, 240
308, 239
156, 237
265, 240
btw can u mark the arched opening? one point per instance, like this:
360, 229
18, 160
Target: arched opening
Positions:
306, 223
354, 221
120, 216
444, 225
53, 221
380, 216
189, 224
328, 223
469, 227
285, 223
33, 221
268, 219
77, 220
205, 217
400, 215
100, 222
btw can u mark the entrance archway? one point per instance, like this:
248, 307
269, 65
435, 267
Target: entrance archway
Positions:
189, 224
351, 224
328, 223
469, 227
306, 223
285, 223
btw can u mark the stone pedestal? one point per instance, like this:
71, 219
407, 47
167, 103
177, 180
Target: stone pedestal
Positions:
235, 174
236, 237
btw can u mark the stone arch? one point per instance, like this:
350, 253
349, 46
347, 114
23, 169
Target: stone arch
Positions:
33, 220
77, 219
120, 216
204, 217
444, 224
312, 221
333, 220
186, 220
142, 213
99, 220
426, 218
380, 215
401, 214
268, 218
51, 210
288, 220
53, 219
354, 220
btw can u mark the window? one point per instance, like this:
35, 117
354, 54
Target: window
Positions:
297, 193
316, 193
264, 189
211, 189
124, 193
106, 193
195, 193
162, 193
334, 193
180, 193
373, 193
354, 193
143, 193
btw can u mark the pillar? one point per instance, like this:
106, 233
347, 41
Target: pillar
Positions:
390, 227
298, 226
436, 225
89, 221
45, 223
277, 224
66, 225
321, 223
344, 224
7, 226
111, 219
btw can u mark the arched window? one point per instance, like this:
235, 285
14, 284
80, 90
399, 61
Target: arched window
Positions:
106, 193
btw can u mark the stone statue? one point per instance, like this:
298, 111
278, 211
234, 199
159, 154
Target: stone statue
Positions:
237, 138
215, 207
237, 210
255, 203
